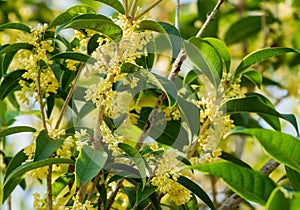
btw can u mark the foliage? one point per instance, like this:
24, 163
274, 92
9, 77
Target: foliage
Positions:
118, 132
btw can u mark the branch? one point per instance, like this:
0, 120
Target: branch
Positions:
177, 24
40, 100
234, 200
49, 188
147, 9
113, 195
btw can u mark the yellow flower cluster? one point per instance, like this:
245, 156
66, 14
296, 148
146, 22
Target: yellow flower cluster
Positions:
172, 113
31, 63
77, 205
167, 175
82, 138
40, 202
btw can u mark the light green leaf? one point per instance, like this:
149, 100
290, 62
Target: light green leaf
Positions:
136, 158
294, 178
254, 76
15, 47
114, 4
16, 129
88, 164
253, 104
151, 26
107, 28
201, 62
249, 184
282, 147
16, 176
261, 55
45, 146
197, 190
61, 182
70, 13
295, 201
74, 56
277, 200
245, 28
10, 82
222, 49
18, 26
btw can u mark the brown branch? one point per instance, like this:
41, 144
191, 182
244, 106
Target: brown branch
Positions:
49, 188
113, 195
234, 200
40, 100
147, 9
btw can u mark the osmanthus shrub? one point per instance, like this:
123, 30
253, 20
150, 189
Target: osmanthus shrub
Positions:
131, 112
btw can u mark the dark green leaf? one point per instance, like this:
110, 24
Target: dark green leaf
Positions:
114, 4
143, 194
107, 28
294, 178
91, 16
137, 159
281, 147
151, 26
245, 28
254, 76
261, 55
15, 47
8, 58
17, 160
201, 62
61, 182
50, 104
249, 184
93, 43
74, 56
45, 146
129, 68
18, 26
70, 13
231, 158
197, 190
88, 164
10, 82
16, 176
16, 129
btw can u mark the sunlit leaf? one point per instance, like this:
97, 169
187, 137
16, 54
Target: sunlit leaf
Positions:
10, 82
277, 200
17, 26
15, 47
114, 4
16, 129
74, 56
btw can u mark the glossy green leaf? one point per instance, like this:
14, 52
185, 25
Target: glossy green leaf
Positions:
277, 200
88, 164
144, 193
8, 58
45, 146
15, 162
254, 76
93, 43
245, 28
231, 158
70, 13
210, 52
92, 16
17, 26
197, 190
107, 28
116, 4
261, 55
61, 182
129, 68
282, 147
16, 176
10, 82
151, 25
16, 129
136, 158
294, 178
249, 184
74, 56
253, 104
201, 62
15, 47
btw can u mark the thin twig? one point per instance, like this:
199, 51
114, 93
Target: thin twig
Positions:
113, 195
133, 9
147, 9
49, 188
125, 4
69, 96
234, 200
177, 22
40, 100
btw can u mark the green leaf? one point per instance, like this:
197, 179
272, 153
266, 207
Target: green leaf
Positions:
253, 104
114, 4
16, 129
245, 28
136, 158
16, 176
17, 160
249, 184
88, 164
197, 190
210, 53
61, 182
231, 158
15, 47
151, 25
201, 62
222, 49
143, 194
10, 82
45, 146
93, 43
190, 78
261, 55
277, 200
17, 26
85, 110
254, 76
281, 147
107, 28
295, 201
74, 56
129, 68
92, 16
294, 178
70, 13
8, 58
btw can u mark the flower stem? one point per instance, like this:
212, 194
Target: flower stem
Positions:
40, 100
125, 4
147, 9
133, 9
